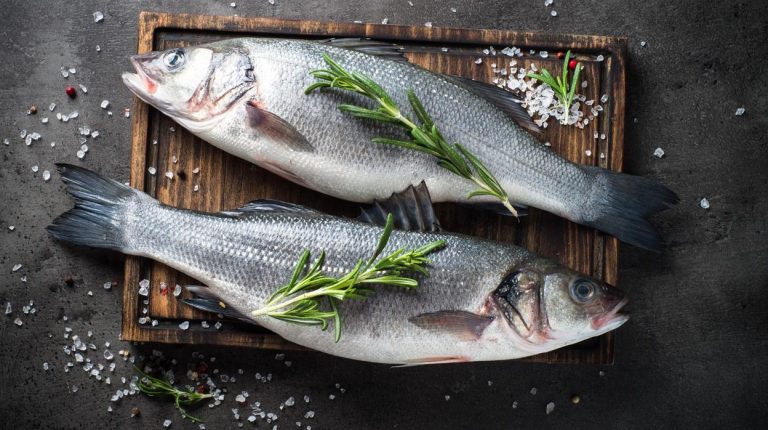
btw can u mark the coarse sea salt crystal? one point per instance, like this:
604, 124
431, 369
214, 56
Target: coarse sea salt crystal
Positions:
8, 308
740, 111
385, 21
177, 290
16, 268
550, 407
169, 175
167, 423
144, 287
46, 175
6, 141
83, 88
51, 107
18, 322
104, 104
98, 16
44, 120
95, 134
553, 13
35, 168
428, 24
600, 58
218, 325
704, 203
196, 188
23, 133
479, 60
184, 325
151, 170
658, 153
548, 2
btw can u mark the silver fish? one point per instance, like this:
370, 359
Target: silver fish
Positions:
483, 300
246, 97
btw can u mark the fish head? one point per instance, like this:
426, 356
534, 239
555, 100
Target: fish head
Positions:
550, 305
193, 85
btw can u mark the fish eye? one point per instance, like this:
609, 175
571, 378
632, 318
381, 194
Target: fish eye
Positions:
582, 290
174, 59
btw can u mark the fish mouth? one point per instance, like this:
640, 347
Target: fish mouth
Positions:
612, 319
143, 83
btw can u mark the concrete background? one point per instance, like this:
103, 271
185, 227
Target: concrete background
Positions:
693, 355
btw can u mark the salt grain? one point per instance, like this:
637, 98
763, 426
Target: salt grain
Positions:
704, 203
643, 43
658, 153
169, 175
184, 325
385, 21
167, 423
80, 154
550, 407
83, 88
533, 391
35, 168
479, 61
51, 107
428, 24
46, 175
151, 170
18, 322
16, 268
98, 16
600, 58
144, 287
44, 120
553, 13
740, 111
8, 308
177, 290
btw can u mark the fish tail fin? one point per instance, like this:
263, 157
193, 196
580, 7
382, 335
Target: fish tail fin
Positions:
97, 218
620, 204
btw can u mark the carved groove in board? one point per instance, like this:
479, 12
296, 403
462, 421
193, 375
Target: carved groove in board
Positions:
544, 233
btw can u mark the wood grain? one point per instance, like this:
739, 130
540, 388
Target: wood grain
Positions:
227, 182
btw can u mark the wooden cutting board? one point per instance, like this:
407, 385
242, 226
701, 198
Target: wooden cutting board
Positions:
226, 182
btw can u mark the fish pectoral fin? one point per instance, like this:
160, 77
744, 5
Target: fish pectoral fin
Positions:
411, 210
276, 128
464, 325
434, 360
206, 300
504, 100
390, 51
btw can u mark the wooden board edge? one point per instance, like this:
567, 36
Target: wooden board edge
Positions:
230, 23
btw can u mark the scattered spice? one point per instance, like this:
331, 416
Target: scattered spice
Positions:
71, 92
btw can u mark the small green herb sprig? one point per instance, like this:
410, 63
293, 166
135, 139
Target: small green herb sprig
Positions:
157, 387
425, 136
564, 92
300, 300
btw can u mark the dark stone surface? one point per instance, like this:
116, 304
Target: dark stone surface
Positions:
694, 354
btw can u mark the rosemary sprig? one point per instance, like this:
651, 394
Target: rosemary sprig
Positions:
425, 136
563, 90
157, 387
299, 301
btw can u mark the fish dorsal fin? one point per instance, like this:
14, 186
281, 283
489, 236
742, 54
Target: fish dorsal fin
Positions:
205, 300
268, 205
411, 210
462, 324
386, 50
504, 100
275, 128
